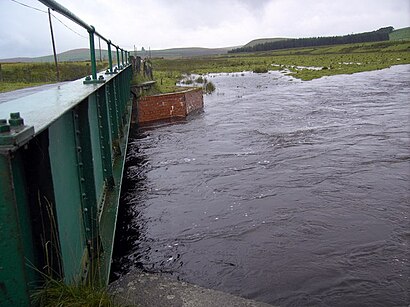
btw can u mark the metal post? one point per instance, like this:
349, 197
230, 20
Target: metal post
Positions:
118, 57
109, 56
122, 57
92, 54
93, 63
110, 70
99, 46
54, 46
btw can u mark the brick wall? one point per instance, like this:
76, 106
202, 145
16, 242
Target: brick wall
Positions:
166, 106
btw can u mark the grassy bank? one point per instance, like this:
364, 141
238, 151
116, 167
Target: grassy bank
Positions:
328, 60
14, 76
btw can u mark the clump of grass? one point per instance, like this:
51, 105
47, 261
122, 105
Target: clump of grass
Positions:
89, 291
57, 293
260, 70
199, 80
209, 88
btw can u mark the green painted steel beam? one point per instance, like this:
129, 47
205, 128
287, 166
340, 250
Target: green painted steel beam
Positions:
105, 137
110, 213
69, 209
14, 290
86, 173
41, 109
86, 128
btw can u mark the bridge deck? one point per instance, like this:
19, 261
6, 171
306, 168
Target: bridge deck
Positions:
41, 108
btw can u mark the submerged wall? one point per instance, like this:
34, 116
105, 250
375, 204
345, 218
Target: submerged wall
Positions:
168, 106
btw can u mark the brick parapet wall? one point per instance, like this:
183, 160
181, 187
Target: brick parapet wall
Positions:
167, 106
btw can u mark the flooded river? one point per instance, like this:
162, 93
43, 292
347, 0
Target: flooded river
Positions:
288, 192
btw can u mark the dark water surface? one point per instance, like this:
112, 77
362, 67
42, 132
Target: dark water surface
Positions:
288, 192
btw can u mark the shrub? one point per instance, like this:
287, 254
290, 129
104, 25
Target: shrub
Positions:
209, 87
260, 70
199, 80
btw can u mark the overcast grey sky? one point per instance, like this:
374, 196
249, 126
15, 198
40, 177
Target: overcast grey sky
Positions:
163, 24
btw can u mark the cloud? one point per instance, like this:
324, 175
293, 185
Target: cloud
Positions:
185, 23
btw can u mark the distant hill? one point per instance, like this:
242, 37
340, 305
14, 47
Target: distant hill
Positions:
84, 54
382, 34
264, 40
67, 56
184, 52
400, 34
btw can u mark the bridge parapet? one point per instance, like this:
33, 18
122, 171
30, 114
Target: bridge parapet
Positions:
61, 160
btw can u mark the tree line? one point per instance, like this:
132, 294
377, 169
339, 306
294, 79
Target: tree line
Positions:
381, 34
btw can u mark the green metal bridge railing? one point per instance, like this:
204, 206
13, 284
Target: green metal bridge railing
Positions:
61, 162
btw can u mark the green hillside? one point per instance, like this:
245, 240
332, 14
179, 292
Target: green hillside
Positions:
184, 52
74, 55
83, 54
263, 40
400, 34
